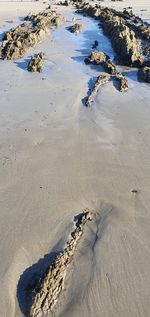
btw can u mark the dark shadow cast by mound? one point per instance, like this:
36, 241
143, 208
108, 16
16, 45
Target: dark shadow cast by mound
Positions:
131, 74
2, 36
22, 19
115, 82
23, 64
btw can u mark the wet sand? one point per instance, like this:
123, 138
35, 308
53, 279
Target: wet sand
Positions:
58, 157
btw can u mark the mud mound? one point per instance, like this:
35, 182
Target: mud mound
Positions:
52, 283
17, 41
76, 28
36, 63
96, 58
100, 58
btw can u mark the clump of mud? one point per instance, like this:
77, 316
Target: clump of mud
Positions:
96, 58
52, 284
75, 28
100, 58
36, 63
101, 80
144, 74
18, 40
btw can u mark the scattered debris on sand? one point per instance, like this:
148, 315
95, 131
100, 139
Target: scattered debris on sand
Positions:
52, 284
75, 28
18, 40
144, 74
36, 63
101, 80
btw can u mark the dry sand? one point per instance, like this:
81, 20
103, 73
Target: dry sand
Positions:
57, 157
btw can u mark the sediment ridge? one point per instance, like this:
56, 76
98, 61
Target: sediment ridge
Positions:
20, 39
101, 80
52, 284
124, 33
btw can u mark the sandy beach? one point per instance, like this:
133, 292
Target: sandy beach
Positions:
58, 157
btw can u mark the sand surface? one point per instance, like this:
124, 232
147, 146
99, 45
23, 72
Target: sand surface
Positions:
57, 157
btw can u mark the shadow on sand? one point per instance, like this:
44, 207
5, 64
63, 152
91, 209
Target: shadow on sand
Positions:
23, 64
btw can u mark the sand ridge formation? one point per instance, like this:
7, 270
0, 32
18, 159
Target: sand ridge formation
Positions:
121, 32
52, 283
101, 80
75, 28
20, 39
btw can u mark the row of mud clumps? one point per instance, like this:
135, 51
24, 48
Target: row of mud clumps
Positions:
52, 283
100, 58
129, 34
119, 27
20, 39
